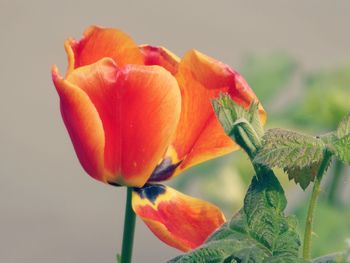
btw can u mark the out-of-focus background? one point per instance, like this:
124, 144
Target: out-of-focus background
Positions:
294, 54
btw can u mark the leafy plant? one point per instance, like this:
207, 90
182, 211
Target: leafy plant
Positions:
260, 231
301, 155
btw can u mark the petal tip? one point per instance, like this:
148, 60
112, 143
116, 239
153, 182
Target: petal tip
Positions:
55, 74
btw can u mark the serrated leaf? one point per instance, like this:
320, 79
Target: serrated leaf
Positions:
342, 149
284, 148
344, 127
329, 138
258, 233
303, 176
339, 142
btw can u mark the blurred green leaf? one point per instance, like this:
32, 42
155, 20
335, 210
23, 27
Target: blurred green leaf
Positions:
268, 74
325, 100
344, 127
342, 149
225, 188
339, 141
331, 227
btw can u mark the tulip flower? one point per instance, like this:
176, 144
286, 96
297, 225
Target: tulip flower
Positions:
139, 115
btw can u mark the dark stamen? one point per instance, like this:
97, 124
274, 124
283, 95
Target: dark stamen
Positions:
163, 171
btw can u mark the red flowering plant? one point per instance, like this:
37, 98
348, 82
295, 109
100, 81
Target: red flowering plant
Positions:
138, 116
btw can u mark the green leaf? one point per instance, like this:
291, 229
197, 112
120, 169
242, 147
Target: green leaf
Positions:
329, 139
229, 114
288, 149
258, 233
297, 154
303, 176
242, 125
339, 142
342, 149
254, 119
344, 127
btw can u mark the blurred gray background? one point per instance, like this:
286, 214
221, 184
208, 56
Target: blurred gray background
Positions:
51, 211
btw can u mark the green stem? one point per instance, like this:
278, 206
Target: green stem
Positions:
312, 206
129, 229
338, 169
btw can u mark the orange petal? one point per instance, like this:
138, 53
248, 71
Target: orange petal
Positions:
81, 118
98, 43
160, 56
179, 220
139, 107
199, 136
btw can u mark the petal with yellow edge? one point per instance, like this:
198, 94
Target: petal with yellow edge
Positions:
98, 43
199, 135
160, 56
81, 118
179, 220
139, 107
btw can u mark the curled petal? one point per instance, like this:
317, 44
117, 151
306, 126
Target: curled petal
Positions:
98, 43
83, 124
179, 220
160, 56
139, 107
199, 135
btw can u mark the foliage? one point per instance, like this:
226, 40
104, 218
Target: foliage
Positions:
301, 155
259, 232
325, 98
331, 227
342, 145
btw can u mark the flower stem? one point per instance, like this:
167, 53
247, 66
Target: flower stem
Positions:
312, 206
129, 229
338, 169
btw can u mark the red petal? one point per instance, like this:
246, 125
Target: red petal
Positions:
81, 118
139, 107
98, 43
199, 136
160, 56
179, 220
